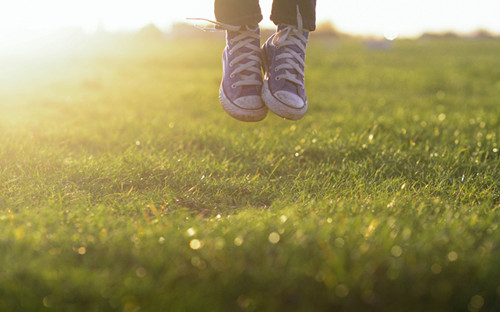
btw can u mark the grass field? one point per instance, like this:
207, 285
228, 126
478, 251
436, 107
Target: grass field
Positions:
124, 186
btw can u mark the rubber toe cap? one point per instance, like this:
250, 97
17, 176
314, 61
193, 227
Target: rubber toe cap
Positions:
249, 102
290, 99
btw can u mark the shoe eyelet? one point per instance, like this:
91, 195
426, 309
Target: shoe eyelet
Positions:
230, 64
233, 86
230, 52
276, 69
276, 78
232, 75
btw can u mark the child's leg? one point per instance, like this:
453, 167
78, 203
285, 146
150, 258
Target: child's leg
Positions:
238, 12
284, 12
283, 90
241, 85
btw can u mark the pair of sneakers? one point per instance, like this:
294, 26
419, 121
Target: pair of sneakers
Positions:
244, 93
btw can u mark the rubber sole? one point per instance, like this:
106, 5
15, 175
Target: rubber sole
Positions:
278, 107
274, 104
240, 113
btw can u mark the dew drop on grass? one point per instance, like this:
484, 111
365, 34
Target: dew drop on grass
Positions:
283, 219
371, 227
82, 250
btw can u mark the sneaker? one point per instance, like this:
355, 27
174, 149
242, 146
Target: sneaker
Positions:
283, 54
241, 86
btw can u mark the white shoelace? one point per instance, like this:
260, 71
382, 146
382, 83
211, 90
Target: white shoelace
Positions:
292, 36
245, 39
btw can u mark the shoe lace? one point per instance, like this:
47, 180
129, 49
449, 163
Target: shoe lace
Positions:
294, 62
246, 46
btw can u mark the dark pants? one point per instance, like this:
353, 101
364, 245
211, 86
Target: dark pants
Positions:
247, 12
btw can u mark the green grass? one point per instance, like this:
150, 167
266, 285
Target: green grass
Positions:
124, 186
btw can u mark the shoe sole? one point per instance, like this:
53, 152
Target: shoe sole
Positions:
274, 104
242, 114
279, 108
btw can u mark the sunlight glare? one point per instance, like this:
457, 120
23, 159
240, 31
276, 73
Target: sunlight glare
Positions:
356, 17
391, 34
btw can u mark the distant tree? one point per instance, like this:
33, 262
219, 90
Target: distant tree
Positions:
482, 34
150, 32
443, 35
327, 29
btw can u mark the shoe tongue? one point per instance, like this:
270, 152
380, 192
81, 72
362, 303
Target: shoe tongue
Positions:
294, 29
282, 29
233, 34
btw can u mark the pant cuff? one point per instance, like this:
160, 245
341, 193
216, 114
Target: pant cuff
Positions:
308, 24
250, 20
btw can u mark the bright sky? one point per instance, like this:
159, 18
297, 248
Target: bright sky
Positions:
376, 17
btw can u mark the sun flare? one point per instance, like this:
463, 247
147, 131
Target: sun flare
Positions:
360, 17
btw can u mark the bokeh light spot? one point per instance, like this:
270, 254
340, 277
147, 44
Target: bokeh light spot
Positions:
342, 291
191, 231
238, 240
396, 251
476, 303
283, 219
140, 272
436, 268
452, 256
274, 238
195, 244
